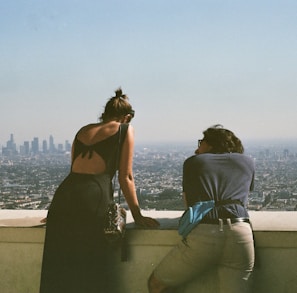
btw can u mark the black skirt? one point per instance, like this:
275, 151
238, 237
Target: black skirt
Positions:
75, 257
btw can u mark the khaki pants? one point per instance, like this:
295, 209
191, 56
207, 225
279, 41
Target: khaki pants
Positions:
228, 249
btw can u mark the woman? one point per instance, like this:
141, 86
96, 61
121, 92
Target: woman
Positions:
75, 258
223, 240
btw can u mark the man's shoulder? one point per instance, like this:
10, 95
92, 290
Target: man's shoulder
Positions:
196, 158
242, 157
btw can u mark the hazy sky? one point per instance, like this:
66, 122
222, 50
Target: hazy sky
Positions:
185, 65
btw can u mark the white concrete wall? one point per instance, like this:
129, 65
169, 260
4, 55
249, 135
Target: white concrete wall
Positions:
276, 247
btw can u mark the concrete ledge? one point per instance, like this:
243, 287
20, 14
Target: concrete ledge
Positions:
21, 248
261, 221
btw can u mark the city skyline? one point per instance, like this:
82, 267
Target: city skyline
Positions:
29, 181
185, 66
34, 146
49, 142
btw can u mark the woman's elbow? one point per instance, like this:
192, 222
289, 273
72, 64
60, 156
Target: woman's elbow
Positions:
125, 178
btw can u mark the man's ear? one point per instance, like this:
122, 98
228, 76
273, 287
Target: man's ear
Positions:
209, 148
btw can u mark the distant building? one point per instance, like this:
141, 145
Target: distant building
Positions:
10, 148
26, 147
44, 146
60, 147
35, 145
52, 148
67, 146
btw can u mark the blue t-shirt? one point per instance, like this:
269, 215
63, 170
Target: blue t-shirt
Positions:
219, 177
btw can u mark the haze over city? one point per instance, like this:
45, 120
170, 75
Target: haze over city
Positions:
185, 65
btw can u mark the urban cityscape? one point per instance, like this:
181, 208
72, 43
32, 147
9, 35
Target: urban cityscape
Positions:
31, 172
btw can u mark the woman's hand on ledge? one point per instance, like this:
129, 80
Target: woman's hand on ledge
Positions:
146, 222
43, 220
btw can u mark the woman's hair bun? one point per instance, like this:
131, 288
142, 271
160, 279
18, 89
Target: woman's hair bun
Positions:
119, 94
117, 106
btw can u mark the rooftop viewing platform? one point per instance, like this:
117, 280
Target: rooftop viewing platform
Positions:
21, 246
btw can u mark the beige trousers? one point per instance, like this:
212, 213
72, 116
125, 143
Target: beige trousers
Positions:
228, 249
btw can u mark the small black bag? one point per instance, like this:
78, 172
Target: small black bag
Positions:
115, 223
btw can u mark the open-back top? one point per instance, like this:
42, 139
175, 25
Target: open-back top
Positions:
108, 149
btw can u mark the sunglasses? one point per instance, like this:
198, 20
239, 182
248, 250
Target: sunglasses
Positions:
199, 142
132, 113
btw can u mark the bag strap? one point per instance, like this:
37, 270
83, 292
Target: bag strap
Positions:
117, 165
122, 134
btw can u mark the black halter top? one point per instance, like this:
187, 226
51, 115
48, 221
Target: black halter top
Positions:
107, 149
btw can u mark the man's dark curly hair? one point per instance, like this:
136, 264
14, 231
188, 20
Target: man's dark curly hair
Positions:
222, 140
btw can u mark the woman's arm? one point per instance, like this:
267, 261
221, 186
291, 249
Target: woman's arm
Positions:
126, 181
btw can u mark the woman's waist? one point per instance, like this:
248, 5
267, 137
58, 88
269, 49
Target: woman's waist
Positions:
73, 173
89, 176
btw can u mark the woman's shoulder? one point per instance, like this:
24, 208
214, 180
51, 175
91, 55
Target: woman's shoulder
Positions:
126, 126
95, 132
87, 127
